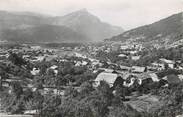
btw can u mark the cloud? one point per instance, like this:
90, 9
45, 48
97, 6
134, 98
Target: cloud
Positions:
125, 13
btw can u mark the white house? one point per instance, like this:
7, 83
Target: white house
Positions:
154, 77
84, 63
133, 52
135, 58
107, 70
125, 68
169, 62
122, 55
180, 76
35, 71
132, 80
110, 78
54, 67
158, 66
138, 69
32, 112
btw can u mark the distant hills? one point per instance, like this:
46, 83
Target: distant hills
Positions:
44, 34
85, 23
163, 32
9, 20
79, 26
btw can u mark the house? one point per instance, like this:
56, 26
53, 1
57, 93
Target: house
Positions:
84, 62
50, 57
126, 75
167, 61
35, 71
36, 47
111, 78
172, 79
138, 69
78, 63
3, 57
170, 63
154, 77
95, 63
158, 66
180, 76
107, 70
52, 90
108, 50
144, 78
179, 115
140, 79
115, 47
39, 58
30, 112
151, 68
122, 56
124, 47
135, 58
124, 68
80, 55
180, 68
4, 82
26, 56
14, 115
133, 52
130, 80
55, 69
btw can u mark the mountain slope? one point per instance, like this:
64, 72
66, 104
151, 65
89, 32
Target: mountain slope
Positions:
29, 27
165, 31
81, 25
20, 20
42, 34
85, 23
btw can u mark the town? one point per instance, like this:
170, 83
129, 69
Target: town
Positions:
56, 80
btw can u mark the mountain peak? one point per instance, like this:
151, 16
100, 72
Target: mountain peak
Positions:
82, 14
86, 23
83, 10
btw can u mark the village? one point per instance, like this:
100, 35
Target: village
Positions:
53, 70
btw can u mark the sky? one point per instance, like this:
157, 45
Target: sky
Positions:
127, 14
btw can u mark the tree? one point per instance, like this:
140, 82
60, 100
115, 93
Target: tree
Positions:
38, 101
86, 89
16, 59
70, 92
3, 76
17, 89
61, 81
123, 111
50, 105
120, 92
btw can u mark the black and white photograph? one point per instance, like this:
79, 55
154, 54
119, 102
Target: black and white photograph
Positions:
91, 58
